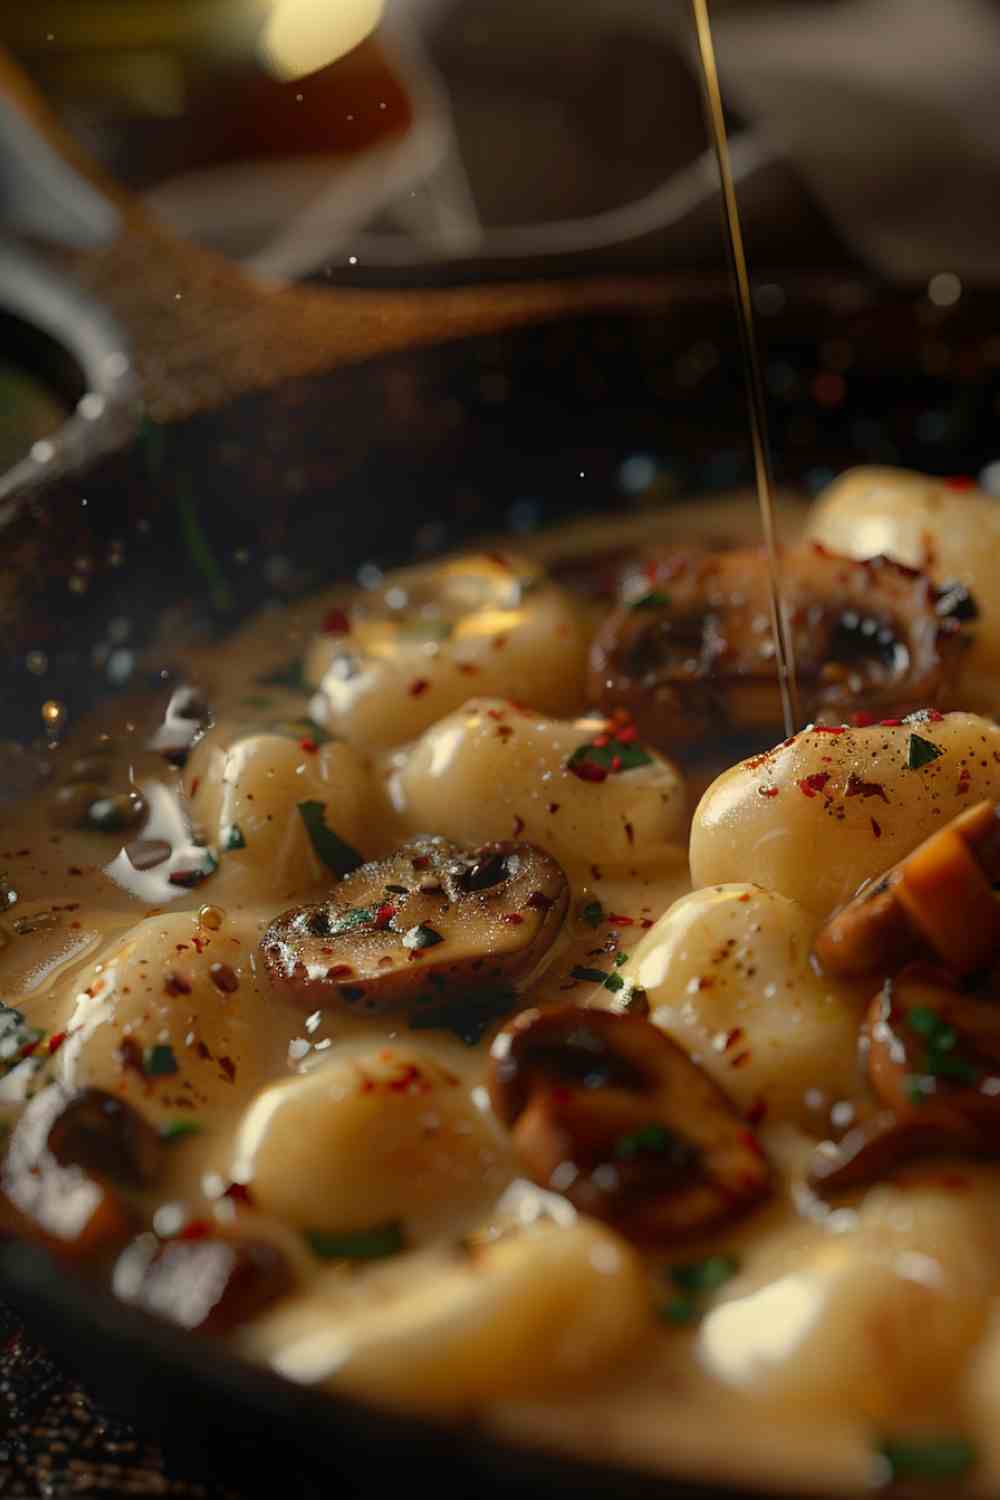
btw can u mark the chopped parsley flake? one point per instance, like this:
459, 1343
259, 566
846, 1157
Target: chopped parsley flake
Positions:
926, 1458
290, 675
655, 599
944, 1058
610, 757
329, 847
920, 752
692, 1283
359, 1244
346, 921
159, 1061
650, 1138
176, 1130
232, 837
613, 982
592, 913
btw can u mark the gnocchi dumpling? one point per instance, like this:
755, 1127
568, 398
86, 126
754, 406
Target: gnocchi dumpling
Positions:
250, 798
370, 1135
927, 523
413, 650
446, 1335
727, 974
170, 1016
832, 807
493, 770
851, 1323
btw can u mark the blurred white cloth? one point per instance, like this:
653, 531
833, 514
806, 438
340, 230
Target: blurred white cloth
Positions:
891, 111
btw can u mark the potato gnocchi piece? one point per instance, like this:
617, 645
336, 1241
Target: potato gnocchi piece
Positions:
727, 975
246, 797
494, 771
406, 654
830, 808
448, 1335
369, 1136
925, 522
852, 1323
170, 1018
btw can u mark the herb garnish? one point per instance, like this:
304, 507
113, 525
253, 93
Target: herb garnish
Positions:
376, 1243
191, 878
925, 1458
694, 1281
655, 599
943, 1057
159, 1061
920, 752
605, 756
232, 838
329, 847
648, 1138
468, 1016
592, 913
176, 1130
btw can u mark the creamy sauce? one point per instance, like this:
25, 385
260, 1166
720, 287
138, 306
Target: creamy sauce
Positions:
842, 1325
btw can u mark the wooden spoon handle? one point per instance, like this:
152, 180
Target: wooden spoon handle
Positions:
204, 332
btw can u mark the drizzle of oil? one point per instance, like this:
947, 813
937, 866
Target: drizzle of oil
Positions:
784, 654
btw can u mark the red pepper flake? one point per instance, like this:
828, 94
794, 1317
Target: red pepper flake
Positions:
733, 1036
195, 784
767, 791
199, 943
616, 762
130, 1055
228, 1067
627, 735
600, 741
30, 1047
176, 984
825, 729
421, 862
862, 719
309, 746
616, 919
335, 622
56, 1041
890, 723
538, 901
757, 1112
494, 713
238, 1192
468, 668
553, 807
499, 642
224, 978
195, 1229
630, 833
745, 896
858, 787
384, 916
417, 686
740, 1060
504, 731
934, 716
960, 482
513, 919
876, 828
74, 870
518, 825
588, 770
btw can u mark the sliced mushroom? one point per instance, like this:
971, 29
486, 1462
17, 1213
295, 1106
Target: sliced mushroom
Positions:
607, 1110
694, 655
206, 1282
937, 901
432, 918
103, 1133
64, 1204
933, 1060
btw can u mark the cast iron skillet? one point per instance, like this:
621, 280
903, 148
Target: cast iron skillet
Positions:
245, 491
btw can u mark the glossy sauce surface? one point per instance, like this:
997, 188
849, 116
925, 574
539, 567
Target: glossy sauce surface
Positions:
452, 704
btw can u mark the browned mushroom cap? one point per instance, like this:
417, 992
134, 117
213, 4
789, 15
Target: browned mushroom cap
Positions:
873, 1149
693, 655
431, 918
607, 1110
210, 1283
65, 1205
938, 900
